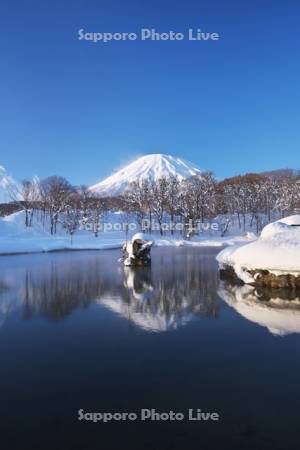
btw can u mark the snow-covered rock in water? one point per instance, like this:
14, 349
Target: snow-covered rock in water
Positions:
277, 251
280, 317
149, 167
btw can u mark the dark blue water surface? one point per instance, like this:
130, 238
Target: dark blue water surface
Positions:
78, 331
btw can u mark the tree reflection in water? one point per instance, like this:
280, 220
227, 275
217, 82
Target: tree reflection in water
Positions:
181, 284
170, 293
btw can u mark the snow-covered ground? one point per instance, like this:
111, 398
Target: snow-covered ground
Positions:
16, 238
277, 250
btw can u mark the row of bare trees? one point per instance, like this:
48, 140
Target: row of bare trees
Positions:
55, 201
252, 197
192, 199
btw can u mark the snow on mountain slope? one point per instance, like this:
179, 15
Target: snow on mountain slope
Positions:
5, 183
149, 167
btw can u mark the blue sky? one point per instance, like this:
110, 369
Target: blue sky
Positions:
81, 109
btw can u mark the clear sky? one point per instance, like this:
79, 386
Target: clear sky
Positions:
80, 109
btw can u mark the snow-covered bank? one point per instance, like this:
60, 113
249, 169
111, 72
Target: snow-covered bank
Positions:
277, 251
16, 238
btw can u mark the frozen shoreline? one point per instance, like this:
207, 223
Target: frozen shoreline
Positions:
21, 246
16, 239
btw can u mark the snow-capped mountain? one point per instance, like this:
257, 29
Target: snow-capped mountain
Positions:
149, 167
6, 183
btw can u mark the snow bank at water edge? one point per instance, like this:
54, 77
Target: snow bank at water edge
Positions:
16, 238
277, 251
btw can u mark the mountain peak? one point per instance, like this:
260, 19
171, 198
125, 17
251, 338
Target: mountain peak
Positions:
150, 167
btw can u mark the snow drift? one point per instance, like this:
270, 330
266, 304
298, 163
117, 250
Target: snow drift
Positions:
277, 251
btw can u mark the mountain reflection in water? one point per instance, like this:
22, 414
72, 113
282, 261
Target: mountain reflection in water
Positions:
180, 285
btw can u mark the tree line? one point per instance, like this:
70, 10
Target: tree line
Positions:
254, 199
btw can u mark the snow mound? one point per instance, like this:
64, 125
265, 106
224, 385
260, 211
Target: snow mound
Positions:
281, 226
14, 226
277, 250
291, 220
149, 167
273, 229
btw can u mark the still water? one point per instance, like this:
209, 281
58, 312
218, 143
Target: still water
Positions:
79, 331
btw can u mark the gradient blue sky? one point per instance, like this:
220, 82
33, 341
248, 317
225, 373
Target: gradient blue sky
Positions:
80, 109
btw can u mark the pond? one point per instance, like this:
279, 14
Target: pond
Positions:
80, 332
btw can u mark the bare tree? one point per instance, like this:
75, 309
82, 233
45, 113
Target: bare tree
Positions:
172, 199
97, 208
27, 195
56, 192
159, 193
